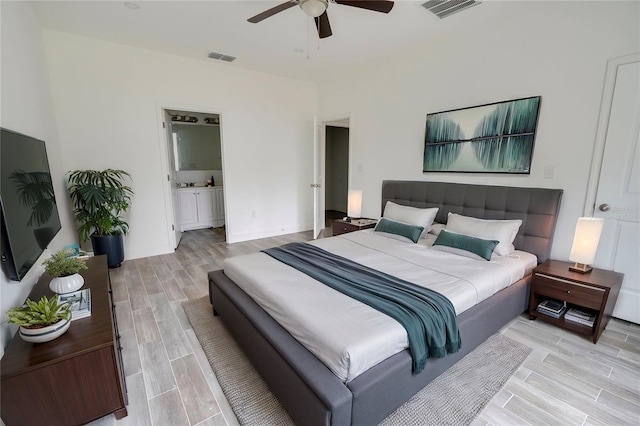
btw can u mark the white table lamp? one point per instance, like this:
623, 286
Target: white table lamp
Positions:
585, 243
354, 204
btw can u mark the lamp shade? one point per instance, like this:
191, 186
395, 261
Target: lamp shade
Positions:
354, 203
314, 8
586, 239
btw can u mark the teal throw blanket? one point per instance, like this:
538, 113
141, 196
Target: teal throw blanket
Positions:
428, 316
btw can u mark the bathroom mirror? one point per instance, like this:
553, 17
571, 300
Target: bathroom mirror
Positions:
196, 147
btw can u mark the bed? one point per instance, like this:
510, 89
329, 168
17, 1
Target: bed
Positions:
310, 391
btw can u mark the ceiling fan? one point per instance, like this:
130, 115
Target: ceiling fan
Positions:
317, 9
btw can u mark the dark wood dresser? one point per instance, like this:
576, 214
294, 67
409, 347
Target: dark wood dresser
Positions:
75, 378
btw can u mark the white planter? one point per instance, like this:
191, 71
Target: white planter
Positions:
62, 285
44, 334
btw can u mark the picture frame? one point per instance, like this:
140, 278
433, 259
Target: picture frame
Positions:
497, 137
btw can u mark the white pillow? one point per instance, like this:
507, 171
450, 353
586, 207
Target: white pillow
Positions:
436, 228
504, 231
410, 215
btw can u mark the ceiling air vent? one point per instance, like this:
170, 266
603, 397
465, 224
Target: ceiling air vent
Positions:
444, 8
220, 56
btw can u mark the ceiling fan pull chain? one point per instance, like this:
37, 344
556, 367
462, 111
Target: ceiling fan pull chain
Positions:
308, 20
319, 24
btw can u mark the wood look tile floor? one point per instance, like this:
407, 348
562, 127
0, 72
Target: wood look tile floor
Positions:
566, 380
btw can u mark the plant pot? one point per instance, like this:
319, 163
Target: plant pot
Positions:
112, 246
44, 334
68, 284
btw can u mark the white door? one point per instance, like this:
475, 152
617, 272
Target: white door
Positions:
318, 177
172, 177
617, 197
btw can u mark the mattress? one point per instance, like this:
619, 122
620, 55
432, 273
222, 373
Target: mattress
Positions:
346, 335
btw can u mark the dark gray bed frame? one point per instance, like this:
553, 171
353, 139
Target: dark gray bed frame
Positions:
311, 393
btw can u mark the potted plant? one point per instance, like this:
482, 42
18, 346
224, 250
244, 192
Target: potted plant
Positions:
99, 199
64, 269
41, 321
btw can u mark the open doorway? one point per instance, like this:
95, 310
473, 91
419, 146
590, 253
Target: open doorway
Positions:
195, 178
336, 170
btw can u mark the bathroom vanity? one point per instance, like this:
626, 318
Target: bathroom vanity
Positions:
201, 207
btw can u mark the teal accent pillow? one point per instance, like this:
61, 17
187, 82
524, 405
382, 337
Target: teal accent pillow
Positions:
476, 248
392, 227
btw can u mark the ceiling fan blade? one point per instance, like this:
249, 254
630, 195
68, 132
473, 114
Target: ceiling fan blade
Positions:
270, 12
323, 25
383, 6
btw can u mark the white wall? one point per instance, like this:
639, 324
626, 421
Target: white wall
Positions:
26, 107
558, 50
107, 98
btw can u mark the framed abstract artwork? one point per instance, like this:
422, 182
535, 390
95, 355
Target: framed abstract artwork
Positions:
491, 138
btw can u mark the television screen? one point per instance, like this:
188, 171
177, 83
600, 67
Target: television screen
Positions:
29, 214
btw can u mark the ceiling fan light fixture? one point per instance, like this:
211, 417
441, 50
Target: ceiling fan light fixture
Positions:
313, 8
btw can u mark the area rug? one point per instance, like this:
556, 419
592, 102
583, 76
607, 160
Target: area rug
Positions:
454, 398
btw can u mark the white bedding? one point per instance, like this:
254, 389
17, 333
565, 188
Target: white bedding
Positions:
348, 336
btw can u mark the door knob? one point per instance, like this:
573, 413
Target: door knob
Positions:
604, 207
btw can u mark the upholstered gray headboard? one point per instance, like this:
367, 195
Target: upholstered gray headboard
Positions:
537, 207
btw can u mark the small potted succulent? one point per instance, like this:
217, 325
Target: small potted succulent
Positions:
41, 321
64, 268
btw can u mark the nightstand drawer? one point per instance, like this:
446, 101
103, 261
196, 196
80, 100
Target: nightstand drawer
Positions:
342, 227
579, 294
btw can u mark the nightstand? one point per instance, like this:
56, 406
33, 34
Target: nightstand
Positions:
596, 291
342, 227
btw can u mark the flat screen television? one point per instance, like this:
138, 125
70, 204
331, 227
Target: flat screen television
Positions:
28, 210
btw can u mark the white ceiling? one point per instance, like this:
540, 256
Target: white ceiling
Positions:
278, 45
